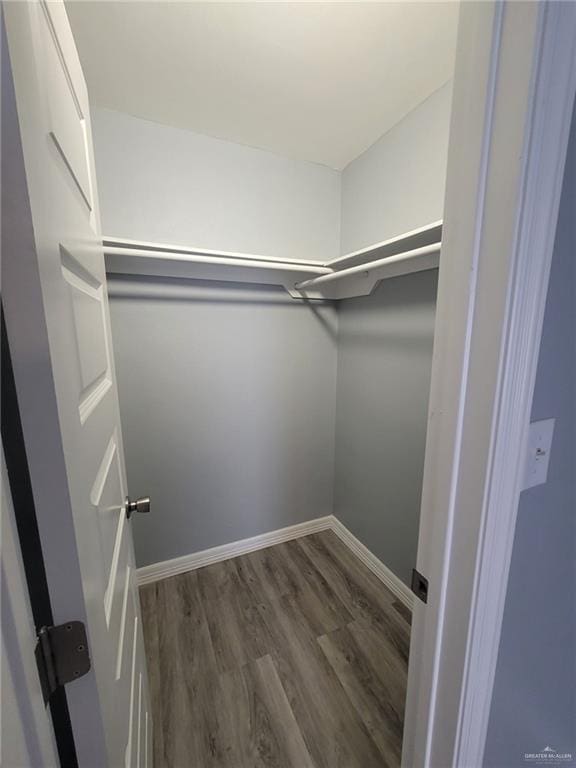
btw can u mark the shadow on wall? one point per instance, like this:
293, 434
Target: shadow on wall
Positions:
236, 399
384, 366
227, 399
137, 287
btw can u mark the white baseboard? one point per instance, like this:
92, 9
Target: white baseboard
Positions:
157, 571
394, 584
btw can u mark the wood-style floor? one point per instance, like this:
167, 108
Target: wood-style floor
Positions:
294, 655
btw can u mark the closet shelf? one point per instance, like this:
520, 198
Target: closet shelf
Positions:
133, 257
175, 250
222, 261
413, 261
407, 241
354, 274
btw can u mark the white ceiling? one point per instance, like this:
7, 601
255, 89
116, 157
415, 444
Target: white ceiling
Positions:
318, 81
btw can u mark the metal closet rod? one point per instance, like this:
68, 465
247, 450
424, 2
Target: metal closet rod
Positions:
225, 261
367, 267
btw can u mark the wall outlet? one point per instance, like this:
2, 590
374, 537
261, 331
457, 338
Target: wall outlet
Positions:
538, 453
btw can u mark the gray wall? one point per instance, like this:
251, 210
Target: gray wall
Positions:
534, 700
228, 392
398, 184
385, 340
227, 396
384, 362
169, 185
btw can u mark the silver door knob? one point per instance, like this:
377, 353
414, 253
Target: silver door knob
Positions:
140, 505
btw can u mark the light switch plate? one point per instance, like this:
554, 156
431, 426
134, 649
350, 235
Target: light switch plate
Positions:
538, 453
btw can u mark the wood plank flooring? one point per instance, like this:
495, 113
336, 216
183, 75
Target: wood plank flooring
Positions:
293, 656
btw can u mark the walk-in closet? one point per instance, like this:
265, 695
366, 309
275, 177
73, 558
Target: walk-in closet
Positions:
270, 185
272, 301
287, 371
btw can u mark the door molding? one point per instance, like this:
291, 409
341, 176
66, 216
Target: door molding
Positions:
547, 140
513, 94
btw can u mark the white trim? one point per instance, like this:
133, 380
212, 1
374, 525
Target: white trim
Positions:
513, 92
389, 579
149, 573
547, 132
156, 571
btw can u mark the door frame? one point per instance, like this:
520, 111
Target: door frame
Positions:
514, 88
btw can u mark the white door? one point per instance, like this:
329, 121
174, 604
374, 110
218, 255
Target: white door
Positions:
64, 372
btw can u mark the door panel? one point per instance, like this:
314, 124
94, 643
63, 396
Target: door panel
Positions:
54, 123
86, 299
90, 331
66, 117
126, 623
105, 495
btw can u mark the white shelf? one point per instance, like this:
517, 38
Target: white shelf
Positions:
133, 257
411, 252
144, 245
360, 279
409, 241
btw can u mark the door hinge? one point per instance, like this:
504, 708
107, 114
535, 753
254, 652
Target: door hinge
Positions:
61, 655
419, 585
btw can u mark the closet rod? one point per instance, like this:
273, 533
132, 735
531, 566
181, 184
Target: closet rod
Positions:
364, 269
224, 261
